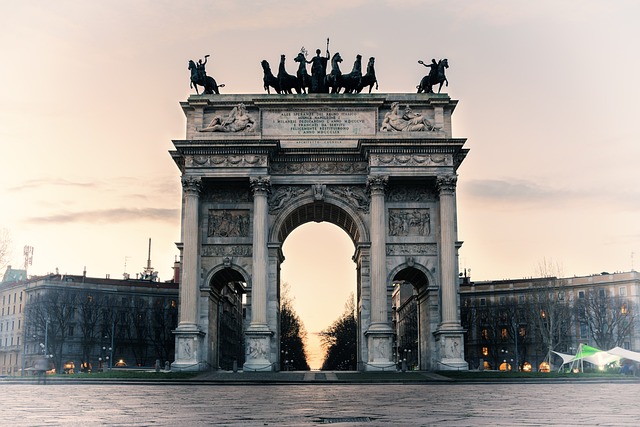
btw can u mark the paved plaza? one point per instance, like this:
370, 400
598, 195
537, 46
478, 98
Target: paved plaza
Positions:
445, 404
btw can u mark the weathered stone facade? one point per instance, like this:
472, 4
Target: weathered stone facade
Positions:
387, 177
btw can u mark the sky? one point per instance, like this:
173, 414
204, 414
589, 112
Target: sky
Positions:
547, 91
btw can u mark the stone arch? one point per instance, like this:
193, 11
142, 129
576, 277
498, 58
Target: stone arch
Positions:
330, 209
414, 345
226, 286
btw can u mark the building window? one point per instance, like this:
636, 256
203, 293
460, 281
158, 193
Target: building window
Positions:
70, 331
581, 294
503, 300
626, 345
521, 299
583, 330
485, 334
602, 293
561, 296
485, 351
623, 291
503, 333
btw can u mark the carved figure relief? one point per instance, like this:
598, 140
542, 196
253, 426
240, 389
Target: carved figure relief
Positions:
256, 349
408, 121
186, 348
453, 349
228, 223
238, 120
407, 222
283, 195
318, 191
354, 195
381, 349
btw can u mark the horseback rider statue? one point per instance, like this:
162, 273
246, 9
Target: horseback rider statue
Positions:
435, 76
199, 77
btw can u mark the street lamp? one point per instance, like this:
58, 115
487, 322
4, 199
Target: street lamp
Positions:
405, 353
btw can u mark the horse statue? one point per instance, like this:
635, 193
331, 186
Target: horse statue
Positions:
369, 79
269, 79
434, 77
286, 80
304, 79
350, 82
334, 77
199, 78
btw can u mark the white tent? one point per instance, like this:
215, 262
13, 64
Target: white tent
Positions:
625, 354
599, 357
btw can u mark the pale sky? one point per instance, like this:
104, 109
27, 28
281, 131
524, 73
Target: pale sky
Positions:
547, 90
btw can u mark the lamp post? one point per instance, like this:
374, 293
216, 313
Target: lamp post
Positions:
405, 353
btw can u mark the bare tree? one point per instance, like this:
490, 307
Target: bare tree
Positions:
5, 248
88, 319
609, 318
549, 310
340, 340
293, 335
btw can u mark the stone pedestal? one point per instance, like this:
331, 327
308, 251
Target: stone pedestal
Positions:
450, 348
258, 344
380, 344
189, 351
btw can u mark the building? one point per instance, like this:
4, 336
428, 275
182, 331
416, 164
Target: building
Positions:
11, 321
404, 311
518, 323
85, 323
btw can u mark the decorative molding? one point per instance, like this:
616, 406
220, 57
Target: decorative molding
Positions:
412, 249
315, 168
228, 223
408, 193
226, 161
230, 195
411, 160
227, 250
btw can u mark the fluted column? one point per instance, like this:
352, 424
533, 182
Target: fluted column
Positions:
377, 186
261, 187
191, 187
448, 280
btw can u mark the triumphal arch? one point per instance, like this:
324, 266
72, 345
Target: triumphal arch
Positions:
380, 166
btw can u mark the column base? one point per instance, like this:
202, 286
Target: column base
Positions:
189, 352
380, 348
258, 350
450, 350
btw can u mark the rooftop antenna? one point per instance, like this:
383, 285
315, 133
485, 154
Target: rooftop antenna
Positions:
28, 257
125, 274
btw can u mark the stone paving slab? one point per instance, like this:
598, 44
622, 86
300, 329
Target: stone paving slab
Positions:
447, 404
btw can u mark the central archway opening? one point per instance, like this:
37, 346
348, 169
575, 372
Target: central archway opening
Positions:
321, 277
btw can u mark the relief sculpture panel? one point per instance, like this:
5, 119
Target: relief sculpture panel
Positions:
409, 222
228, 223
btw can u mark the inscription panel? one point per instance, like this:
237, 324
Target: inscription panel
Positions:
329, 127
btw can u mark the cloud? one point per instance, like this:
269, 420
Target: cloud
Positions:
109, 216
35, 184
525, 193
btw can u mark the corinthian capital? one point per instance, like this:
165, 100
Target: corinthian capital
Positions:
447, 183
260, 184
192, 185
377, 183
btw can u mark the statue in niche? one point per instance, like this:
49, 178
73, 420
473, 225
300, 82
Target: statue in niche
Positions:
199, 78
238, 120
435, 76
408, 121
318, 191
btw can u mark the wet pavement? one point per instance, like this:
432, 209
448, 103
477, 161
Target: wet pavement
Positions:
202, 404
